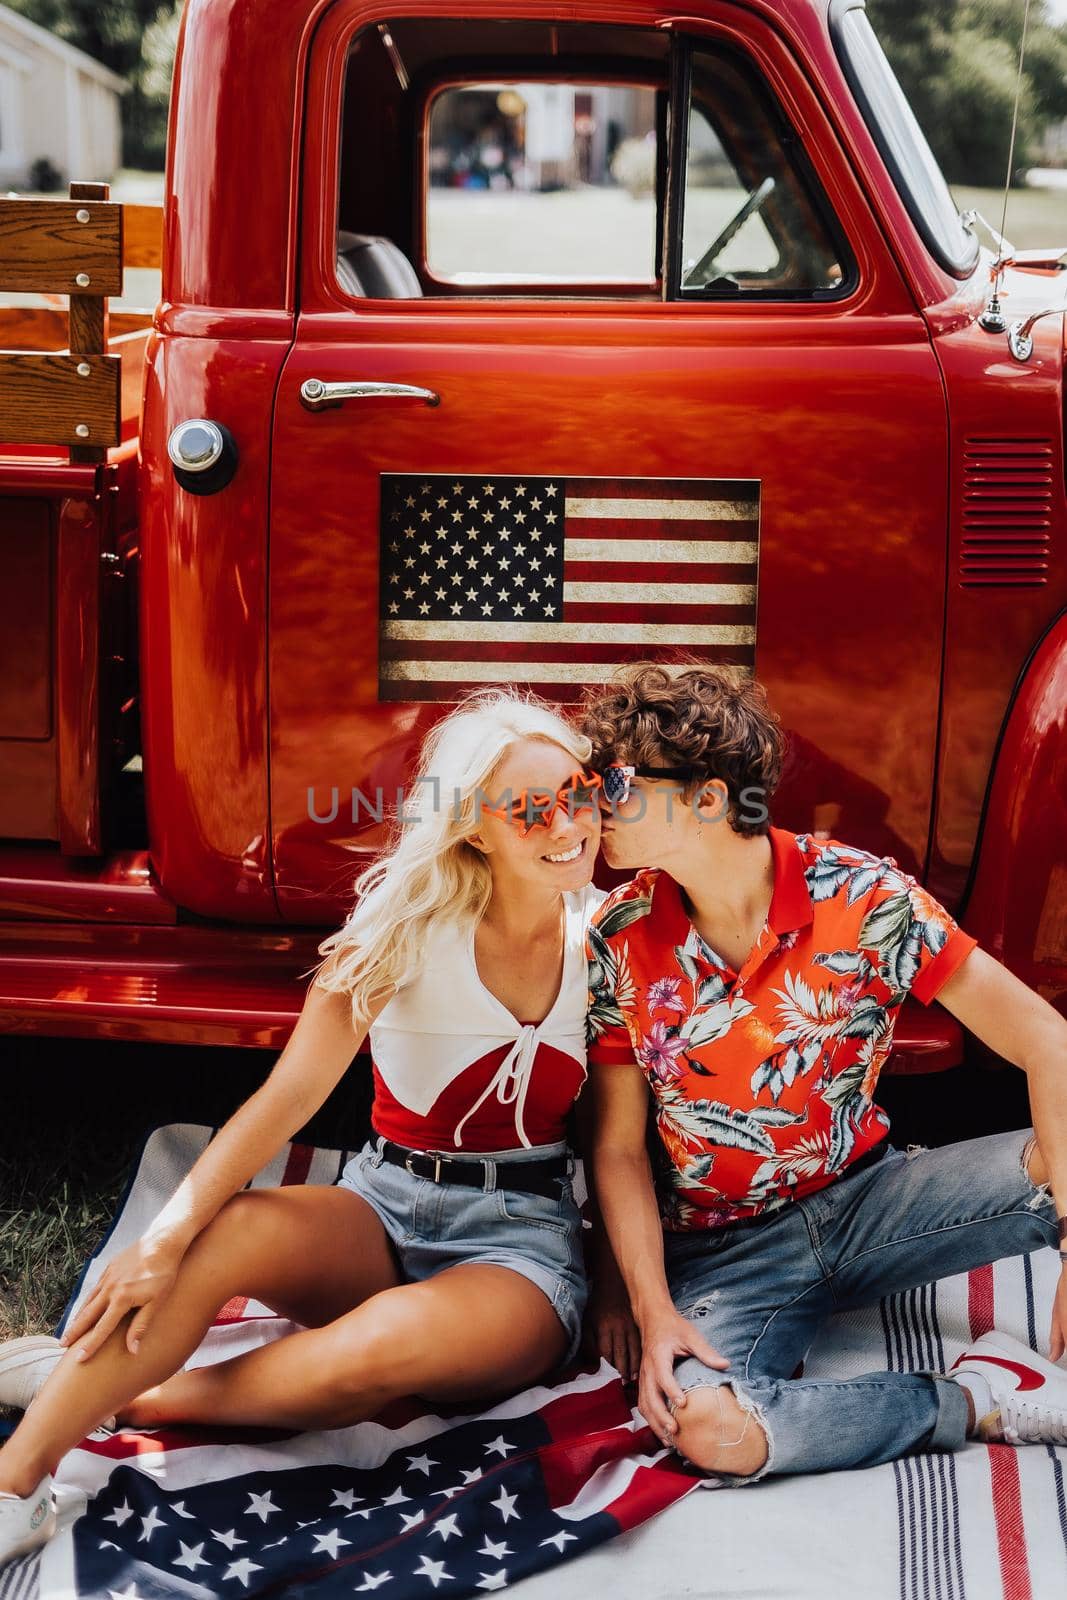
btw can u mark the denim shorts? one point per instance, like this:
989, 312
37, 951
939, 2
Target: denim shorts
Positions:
437, 1225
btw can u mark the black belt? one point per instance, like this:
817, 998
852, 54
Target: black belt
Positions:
530, 1177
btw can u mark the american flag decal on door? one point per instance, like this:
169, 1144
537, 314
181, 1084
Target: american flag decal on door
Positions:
556, 582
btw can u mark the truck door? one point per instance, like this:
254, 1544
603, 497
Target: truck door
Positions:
579, 379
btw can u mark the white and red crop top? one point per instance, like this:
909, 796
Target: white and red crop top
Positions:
455, 1070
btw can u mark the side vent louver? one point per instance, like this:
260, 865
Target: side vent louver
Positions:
1007, 512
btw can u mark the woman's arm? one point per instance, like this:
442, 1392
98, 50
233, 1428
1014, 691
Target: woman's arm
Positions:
315, 1058
631, 1217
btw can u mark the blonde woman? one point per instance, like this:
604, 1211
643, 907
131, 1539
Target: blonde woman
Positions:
455, 1275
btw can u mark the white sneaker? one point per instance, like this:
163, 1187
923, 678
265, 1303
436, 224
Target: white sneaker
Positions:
24, 1366
1029, 1393
26, 1523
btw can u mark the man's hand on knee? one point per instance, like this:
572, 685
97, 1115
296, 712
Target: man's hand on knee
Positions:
664, 1339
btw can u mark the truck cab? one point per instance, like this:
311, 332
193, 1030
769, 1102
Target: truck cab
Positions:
695, 285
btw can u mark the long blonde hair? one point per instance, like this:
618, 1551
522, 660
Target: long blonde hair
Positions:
430, 873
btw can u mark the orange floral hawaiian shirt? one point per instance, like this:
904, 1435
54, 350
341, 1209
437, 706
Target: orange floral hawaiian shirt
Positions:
764, 1079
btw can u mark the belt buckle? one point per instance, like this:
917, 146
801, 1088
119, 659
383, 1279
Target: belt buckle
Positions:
436, 1163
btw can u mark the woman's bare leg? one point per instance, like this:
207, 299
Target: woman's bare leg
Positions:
309, 1252
470, 1332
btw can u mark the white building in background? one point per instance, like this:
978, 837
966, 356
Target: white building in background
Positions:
56, 103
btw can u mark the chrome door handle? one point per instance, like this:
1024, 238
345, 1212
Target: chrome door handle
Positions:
317, 395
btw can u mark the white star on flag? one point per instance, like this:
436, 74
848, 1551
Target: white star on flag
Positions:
260, 1505
330, 1542
397, 1498
120, 1514
191, 1556
446, 1527
434, 1570
559, 1539
412, 1519
499, 1446
178, 1507
230, 1540
498, 1550
505, 1504
372, 1582
149, 1525
493, 1580
345, 1497
242, 1569
422, 1464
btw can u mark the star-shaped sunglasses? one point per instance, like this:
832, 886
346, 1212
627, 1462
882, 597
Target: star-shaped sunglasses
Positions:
535, 808
618, 777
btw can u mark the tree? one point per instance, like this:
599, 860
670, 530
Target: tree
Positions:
957, 61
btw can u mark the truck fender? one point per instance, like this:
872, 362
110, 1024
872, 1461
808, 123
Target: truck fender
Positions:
1017, 904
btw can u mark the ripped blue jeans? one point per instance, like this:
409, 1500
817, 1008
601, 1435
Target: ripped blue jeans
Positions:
759, 1290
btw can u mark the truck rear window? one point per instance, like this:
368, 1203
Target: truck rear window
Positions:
904, 147
541, 182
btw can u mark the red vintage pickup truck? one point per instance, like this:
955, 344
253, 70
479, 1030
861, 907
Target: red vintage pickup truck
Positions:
693, 268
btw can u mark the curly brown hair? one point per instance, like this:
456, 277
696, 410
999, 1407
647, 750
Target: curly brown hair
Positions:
711, 719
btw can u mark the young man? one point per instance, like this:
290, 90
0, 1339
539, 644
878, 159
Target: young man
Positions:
751, 979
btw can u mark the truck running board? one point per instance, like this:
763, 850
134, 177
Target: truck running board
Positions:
182, 985
237, 986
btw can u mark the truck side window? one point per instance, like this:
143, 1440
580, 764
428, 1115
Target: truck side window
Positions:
752, 223
485, 157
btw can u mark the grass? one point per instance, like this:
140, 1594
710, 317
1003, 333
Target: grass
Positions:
76, 1113
1035, 216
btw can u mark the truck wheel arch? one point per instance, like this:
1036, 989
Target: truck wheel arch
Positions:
1016, 902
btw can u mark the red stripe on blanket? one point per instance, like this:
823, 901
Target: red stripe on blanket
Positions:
567, 1468
650, 1490
980, 1300
585, 1411
297, 1167
1008, 1511
1003, 1462
166, 1441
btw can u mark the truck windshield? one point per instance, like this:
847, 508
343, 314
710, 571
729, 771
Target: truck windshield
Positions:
903, 144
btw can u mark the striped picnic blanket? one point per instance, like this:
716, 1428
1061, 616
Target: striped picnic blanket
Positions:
418, 1502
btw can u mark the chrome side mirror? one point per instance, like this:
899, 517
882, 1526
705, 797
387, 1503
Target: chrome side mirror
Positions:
1021, 336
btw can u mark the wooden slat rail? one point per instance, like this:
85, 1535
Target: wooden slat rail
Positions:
89, 334
60, 399
72, 247
62, 246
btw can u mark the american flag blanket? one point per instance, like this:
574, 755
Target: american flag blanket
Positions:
418, 1501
